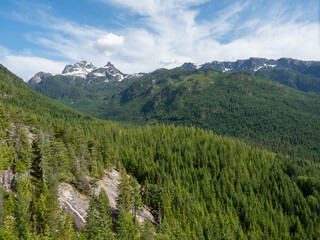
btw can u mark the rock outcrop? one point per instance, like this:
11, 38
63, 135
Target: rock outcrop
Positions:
76, 204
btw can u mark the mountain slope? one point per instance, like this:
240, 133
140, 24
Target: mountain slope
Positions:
199, 185
291, 78
233, 104
303, 75
241, 105
81, 85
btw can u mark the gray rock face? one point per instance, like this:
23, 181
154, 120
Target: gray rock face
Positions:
108, 73
79, 69
38, 77
76, 204
90, 73
189, 66
6, 179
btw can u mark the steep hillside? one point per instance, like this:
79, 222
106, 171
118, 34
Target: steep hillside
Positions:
291, 78
241, 105
197, 184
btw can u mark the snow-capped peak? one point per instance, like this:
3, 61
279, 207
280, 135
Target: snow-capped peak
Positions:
79, 69
90, 73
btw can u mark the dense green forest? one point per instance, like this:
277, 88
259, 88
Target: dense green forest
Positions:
198, 184
260, 111
307, 82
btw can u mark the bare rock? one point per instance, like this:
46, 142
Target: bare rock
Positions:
76, 204
7, 177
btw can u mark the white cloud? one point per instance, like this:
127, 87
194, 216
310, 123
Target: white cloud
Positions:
26, 66
295, 40
108, 44
176, 36
168, 34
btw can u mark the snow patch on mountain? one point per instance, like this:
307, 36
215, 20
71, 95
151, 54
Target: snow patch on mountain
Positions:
251, 64
90, 73
79, 69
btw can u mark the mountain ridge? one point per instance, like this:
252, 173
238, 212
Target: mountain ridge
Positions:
253, 64
302, 75
88, 72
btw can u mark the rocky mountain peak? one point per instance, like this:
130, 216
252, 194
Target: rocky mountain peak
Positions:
38, 77
108, 73
252, 64
90, 73
109, 64
79, 69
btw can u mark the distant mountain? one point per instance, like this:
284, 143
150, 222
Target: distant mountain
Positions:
254, 64
238, 104
88, 72
82, 83
108, 73
79, 69
303, 75
37, 78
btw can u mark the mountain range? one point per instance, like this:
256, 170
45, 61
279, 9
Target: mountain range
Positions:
88, 72
303, 75
255, 64
233, 103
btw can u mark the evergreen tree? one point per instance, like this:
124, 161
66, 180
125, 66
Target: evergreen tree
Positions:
8, 224
99, 224
66, 229
148, 230
46, 211
136, 200
92, 220
125, 226
104, 221
23, 214
124, 199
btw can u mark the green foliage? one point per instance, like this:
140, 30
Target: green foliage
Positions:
22, 214
8, 224
148, 231
136, 200
125, 226
294, 79
98, 218
198, 185
124, 199
260, 111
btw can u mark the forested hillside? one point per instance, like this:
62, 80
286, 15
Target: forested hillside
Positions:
260, 111
305, 82
198, 184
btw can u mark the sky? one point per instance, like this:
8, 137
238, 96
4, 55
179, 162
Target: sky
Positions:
144, 35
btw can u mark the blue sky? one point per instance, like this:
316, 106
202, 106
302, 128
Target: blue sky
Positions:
142, 35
